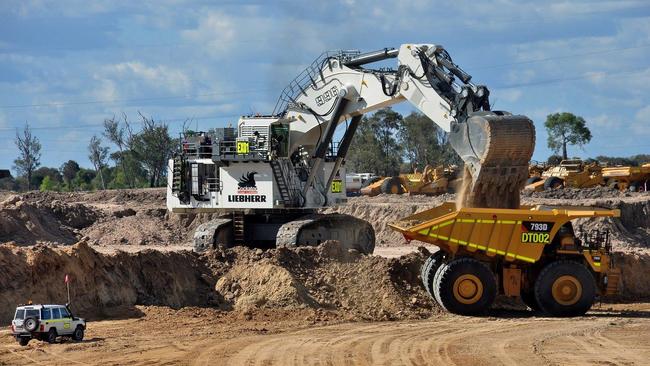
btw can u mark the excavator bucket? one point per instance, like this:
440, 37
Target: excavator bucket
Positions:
496, 148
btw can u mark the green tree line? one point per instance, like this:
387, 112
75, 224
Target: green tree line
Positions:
386, 144
126, 155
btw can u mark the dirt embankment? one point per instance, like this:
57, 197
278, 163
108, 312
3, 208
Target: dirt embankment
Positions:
120, 217
325, 277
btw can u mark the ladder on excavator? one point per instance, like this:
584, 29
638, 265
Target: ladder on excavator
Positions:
238, 227
281, 181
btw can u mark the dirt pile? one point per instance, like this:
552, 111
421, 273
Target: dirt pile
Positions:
100, 282
578, 193
121, 217
328, 277
325, 277
28, 223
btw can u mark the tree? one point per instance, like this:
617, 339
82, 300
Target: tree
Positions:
365, 155
554, 160
425, 143
29, 150
47, 185
41, 173
153, 146
115, 133
97, 155
385, 123
69, 171
566, 129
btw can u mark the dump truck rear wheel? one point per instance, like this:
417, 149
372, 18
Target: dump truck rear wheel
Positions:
429, 269
553, 183
565, 288
392, 185
465, 286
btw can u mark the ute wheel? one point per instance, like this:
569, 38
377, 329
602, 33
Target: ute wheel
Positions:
392, 185
634, 186
528, 298
553, 183
429, 269
51, 336
31, 324
465, 286
532, 180
565, 288
23, 341
78, 334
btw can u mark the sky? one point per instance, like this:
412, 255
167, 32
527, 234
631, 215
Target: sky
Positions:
67, 65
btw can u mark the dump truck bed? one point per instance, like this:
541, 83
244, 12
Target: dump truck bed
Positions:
515, 234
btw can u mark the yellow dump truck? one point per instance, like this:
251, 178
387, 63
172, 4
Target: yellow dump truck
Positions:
570, 173
432, 181
634, 178
531, 252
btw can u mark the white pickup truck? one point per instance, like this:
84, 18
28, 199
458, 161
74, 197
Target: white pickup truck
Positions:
46, 323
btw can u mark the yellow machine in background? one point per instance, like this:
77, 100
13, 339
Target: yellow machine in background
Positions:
570, 173
531, 252
628, 177
432, 181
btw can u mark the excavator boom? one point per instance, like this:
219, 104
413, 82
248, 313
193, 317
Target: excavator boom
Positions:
495, 146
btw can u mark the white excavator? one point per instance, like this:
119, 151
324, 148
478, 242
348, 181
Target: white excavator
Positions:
268, 178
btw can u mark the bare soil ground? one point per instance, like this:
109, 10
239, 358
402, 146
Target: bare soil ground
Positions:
152, 301
610, 334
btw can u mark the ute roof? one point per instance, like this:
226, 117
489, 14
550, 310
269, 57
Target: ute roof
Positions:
37, 306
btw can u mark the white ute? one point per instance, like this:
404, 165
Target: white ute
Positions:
46, 323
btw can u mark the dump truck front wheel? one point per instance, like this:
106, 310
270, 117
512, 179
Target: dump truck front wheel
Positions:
465, 286
429, 269
565, 288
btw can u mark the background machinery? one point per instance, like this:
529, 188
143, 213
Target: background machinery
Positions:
531, 252
634, 178
270, 174
572, 173
431, 181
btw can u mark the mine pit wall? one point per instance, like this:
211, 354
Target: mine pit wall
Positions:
99, 281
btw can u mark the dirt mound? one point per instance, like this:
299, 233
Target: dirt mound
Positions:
99, 281
384, 209
578, 193
329, 277
152, 196
25, 223
263, 285
136, 228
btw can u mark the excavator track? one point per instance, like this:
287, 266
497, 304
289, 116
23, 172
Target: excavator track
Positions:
496, 148
311, 230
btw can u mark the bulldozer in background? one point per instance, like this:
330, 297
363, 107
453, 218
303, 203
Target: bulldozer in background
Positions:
573, 173
432, 181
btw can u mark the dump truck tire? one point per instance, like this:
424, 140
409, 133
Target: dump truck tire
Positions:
532, 180
465, 286
565, 288
553, 183
392, 185
429, 269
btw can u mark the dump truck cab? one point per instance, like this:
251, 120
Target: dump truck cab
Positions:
532, 252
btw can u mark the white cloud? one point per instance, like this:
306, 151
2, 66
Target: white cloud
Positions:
640, 123
214, 32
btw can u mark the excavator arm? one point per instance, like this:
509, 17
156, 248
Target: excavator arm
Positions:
495, 146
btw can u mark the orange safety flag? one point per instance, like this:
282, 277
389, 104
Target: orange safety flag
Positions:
67, 279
